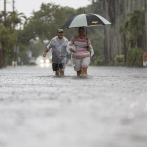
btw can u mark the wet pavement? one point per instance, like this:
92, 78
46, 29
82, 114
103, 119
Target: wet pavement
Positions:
107, 109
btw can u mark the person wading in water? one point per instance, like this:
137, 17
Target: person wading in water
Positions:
59, 53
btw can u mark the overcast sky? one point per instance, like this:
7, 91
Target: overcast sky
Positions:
27, 6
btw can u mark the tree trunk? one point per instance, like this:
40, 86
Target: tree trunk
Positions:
105, 46
1, 63
146, 21
125, 50
105, 37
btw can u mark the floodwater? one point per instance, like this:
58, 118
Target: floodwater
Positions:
107, 109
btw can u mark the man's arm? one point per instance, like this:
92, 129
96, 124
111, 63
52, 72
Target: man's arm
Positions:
44, 55
48, 48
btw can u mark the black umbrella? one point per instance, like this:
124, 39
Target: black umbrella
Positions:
85, 20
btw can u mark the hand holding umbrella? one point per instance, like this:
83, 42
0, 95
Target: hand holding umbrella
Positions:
82, 55
85, 20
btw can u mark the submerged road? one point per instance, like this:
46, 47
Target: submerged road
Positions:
107, 109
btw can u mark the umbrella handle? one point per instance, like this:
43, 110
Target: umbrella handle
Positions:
86, 37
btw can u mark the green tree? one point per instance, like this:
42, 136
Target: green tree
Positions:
43, 24
8, 40
37, 48
135, 27
8, 34
133, 32
135, 57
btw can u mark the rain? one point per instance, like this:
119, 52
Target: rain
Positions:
46, 101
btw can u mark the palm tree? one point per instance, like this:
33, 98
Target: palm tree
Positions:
134, 28
7, 32
12, 19
16, 18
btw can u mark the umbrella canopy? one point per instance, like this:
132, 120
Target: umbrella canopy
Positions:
85, 20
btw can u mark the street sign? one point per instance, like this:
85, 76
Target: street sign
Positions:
16, 49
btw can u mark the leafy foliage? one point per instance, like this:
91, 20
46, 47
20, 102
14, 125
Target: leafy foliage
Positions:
119, 59
43, 25
135, 27
135, 57
7, 39
8, 34
37, 48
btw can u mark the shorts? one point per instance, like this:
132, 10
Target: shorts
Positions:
56, 66
144, 63
79, 63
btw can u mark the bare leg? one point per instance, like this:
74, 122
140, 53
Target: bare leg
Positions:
61, 72
84, 70
79, 73
57, 73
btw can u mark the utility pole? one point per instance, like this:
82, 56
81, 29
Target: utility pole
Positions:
146, 20
1, 56
4, 12
1, 44
13, 1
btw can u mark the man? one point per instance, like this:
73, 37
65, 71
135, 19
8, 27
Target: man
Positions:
58, 45
145, 59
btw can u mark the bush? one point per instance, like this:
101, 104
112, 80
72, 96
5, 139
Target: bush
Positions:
119, 60
110, 63
98, 62
135, 57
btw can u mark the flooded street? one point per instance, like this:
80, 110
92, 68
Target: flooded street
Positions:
107, 109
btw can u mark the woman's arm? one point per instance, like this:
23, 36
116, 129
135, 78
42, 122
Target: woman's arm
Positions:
71, 43
89, 47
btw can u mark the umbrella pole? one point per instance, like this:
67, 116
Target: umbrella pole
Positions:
86, 31
86, 36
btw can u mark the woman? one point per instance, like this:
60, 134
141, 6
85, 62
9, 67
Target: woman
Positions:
81, 56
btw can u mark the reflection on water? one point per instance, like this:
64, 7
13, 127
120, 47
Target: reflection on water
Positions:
45, 65
3, 138
1, 118
131, 115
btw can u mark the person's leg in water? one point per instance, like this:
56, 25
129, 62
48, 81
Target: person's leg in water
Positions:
77, 67
55, 68
61, 69
85, 64
84, 70
57, 73
79, 73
